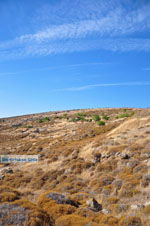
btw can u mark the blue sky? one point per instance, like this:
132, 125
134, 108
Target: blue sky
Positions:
62, 54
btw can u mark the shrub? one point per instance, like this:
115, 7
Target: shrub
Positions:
128, 190
8, 197
106, 180
72, 220
113, 200
52, 208
81, 114
103, 219
123, 115
96, 118
147, 210
36, 215
78, 118
106, 117
8, 194
132, 221
65, 115
46, 119
101, 123
28, 126
119, 208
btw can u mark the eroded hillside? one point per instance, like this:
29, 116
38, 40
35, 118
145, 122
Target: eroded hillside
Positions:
93, 169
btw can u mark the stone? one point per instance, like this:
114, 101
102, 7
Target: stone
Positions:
136, 207
145, 180
106, 155
6, 170
106, 211
125, 156
97, 157
133, 163
94, 205
2, 177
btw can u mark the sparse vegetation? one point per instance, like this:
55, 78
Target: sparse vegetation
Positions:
45, 119
96, 118
81, 162
125, 115
100, 123
105, 117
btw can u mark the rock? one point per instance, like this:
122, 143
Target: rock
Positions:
94, 205
35, 130
105, 211
42, 130
2, 177
136, 207
145, 180
125, 156
106, 155
62, 199
17, 125
132, 163
97, 157
6, 170
145, 155
147, 203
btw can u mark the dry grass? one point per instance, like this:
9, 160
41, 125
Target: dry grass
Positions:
67, 164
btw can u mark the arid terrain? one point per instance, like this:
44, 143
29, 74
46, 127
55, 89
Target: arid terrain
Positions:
93, 169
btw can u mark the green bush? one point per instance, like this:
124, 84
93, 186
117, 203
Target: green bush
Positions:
80, 114
123, 115
106, 117
79, 118
29, 126
46, 119
96, 118
65, 116
101, 123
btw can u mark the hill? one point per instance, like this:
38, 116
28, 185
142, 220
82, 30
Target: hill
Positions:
93, 169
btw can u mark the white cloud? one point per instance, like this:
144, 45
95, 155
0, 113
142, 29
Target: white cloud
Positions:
111, 30
69, 46
81, 88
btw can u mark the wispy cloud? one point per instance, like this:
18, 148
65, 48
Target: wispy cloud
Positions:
69, 46
55, 68
109, 32
86, 87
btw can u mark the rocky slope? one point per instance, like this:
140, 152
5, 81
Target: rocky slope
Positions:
93, 169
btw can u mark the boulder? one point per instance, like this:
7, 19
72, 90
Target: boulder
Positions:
145, 180
137, 207
125, 156
94, 205
97, 157
133, 163
2, 176
6, 170
106, 211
